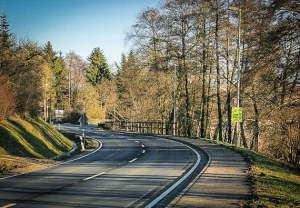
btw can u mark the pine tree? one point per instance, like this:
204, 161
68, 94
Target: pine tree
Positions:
58, 72
98, 68
122, 64
59, 69
49, 53
5, 35
6, 44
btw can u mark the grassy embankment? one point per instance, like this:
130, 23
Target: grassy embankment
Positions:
31, 138
274, 184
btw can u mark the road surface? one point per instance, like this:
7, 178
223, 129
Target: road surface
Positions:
126, 170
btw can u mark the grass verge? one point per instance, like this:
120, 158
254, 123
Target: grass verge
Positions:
274, 183
32, 138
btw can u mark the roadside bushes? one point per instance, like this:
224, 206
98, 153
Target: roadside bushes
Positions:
7, 101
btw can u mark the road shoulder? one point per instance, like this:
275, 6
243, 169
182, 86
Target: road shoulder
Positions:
223, 183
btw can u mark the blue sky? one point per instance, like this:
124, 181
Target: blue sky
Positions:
78, 25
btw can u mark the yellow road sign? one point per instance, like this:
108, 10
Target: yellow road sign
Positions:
236, 114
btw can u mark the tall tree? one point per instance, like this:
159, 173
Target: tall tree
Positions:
24, 77
59, 83
128, 83
6, 44
148, 36
217, 51
58, 73
75, 76
5, 35
97, 69
185, 38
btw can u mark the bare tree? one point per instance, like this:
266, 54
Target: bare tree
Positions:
75, 76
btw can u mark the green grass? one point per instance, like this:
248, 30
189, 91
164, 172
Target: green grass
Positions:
274, 183
31, 138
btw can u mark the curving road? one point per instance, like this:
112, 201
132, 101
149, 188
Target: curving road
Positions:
126, 170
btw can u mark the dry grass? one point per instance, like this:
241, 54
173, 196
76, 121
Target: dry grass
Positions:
10, 165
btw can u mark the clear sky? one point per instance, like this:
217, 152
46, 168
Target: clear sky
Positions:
78, 25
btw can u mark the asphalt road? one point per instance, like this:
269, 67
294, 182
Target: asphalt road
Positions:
126, 170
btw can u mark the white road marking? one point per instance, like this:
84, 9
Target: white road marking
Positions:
137, 141
143, 145
143, 151
164, 194
133, 160
94, 176
100, 146
51, 166
9, 205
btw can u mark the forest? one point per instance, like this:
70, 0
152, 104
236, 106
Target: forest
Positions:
192, 62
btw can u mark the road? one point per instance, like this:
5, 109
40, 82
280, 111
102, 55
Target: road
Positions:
126, 170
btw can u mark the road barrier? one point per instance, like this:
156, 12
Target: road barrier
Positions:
152, 127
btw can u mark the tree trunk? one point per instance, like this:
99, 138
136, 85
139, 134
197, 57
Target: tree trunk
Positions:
220, 122
229, 132
256, 127
204, 95
187, 108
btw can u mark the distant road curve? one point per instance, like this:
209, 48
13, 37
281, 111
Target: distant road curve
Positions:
129, 170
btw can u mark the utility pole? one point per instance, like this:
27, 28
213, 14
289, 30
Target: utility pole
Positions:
239, 70
45, 104
174, 110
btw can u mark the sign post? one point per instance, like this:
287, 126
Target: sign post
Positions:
59, 115
83, 120
237, 117
237, 114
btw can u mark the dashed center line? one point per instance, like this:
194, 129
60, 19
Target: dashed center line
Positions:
142, 151
9, 205
94, 176
133, 160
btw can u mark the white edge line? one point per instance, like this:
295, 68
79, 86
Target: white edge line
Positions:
51, 166
164, 194
94, 176
83, 155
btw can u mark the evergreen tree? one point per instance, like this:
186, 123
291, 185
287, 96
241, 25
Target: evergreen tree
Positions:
122, 64
49, 53
5, 35
6, 44
98, 68
128, 85
59, 69
58, 72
